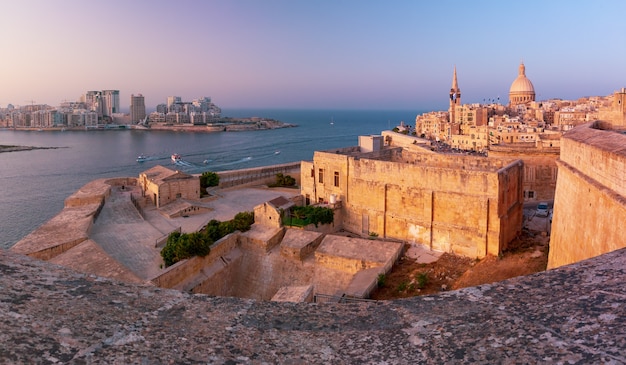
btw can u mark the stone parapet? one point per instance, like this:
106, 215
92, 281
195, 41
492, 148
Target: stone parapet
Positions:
87, 319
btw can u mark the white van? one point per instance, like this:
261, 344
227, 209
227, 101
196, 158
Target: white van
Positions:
542, 210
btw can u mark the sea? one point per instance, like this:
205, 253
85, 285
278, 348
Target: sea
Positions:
34, 184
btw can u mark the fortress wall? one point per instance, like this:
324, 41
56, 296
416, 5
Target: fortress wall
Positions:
182, 270
599, 154
346, 264
122, 181
590, 201
259, 275
65, 230
473, 213
219, 276
94, 192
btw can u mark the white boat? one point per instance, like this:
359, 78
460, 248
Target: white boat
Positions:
277, 153
176, 157
141, 158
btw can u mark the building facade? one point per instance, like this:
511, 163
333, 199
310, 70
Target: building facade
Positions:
137, 108
472, 206
162, 185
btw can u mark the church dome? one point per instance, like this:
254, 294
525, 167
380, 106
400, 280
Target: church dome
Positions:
522, 90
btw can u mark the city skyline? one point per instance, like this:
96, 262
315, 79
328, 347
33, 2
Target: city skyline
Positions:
282, 54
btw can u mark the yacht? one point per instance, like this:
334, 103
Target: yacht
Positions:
176, 157
141, 158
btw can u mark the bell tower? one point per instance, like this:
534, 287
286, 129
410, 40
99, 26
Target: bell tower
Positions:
455, 97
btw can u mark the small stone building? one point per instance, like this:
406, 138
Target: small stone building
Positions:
163, 185
270, 213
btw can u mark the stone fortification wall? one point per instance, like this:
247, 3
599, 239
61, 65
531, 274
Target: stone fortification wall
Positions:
68, 228
258, 175
181, 271
468, 205
540, 170
590, 201
94, 192
122, 181
251, 272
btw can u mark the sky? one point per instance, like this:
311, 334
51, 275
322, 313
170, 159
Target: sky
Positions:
296, 54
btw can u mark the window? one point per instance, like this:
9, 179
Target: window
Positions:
531, 195
336, 178
307, 199
321, 176
312, 172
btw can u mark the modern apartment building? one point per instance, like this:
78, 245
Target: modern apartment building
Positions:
137, 108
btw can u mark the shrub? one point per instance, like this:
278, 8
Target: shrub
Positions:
380, 280
422, 280
283, 181
313, 214
182, 246
402, 286
243, 221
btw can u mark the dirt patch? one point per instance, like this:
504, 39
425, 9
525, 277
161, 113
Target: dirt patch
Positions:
526, 255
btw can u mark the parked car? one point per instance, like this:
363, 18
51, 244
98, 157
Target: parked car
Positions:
542, 210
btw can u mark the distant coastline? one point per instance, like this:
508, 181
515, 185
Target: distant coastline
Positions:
4, 148
221, 125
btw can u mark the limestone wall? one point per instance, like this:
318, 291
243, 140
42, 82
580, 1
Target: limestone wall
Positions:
590, 201
258, 175
186, 188
187, 269
540, 170
468, 205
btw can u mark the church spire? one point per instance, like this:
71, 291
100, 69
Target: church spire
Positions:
455, 97
455, 84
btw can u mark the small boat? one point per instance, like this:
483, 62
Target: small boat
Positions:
205, 162
141, 158
277, 153
176, 157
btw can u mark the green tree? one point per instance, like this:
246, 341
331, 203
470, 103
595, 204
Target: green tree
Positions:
208, 179
243, 221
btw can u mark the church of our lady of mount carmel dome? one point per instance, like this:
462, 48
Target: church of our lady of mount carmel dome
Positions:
522, 90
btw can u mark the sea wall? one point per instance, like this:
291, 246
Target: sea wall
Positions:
258, 175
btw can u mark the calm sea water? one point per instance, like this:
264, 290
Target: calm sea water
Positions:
34, 184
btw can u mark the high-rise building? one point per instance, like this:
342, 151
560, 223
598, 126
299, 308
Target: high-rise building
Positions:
110, 102
137, 108
93, 101
173, 100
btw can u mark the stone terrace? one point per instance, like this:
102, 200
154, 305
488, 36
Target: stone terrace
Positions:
574, 314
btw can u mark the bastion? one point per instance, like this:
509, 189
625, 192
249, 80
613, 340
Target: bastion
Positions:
590, 198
